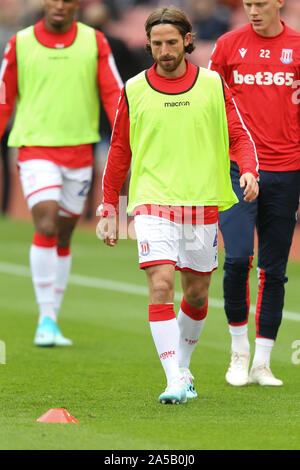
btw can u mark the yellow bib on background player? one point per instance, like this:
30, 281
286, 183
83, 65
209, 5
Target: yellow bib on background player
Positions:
58, 103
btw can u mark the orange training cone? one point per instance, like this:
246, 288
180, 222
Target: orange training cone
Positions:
57, 415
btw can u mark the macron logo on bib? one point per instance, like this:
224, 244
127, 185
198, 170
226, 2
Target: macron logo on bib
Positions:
171, 104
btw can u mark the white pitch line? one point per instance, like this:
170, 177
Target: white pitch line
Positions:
117, 286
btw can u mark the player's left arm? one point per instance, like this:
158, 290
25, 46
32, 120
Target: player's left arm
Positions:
109, 81
242, 147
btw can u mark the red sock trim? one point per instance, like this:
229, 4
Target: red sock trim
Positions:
63, 250
161, 312
193, 312
44, 242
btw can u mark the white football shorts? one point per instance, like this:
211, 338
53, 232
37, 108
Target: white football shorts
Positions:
43, 180
188, 247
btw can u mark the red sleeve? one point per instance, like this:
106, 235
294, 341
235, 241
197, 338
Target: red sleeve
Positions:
109, 81
242, 146
8, 84
118, 160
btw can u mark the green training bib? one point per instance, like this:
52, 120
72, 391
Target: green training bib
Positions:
180, 144
58, 103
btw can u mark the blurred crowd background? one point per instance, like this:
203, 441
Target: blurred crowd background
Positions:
122, 21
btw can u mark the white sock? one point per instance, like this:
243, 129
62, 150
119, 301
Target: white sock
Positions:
63, 268
190, 331
165, 334
239, 339
191, 321
263, 349
43, 267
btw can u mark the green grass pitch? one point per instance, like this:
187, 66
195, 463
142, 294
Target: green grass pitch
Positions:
111, 378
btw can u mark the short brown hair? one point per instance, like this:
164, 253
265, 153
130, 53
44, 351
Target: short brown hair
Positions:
174, 16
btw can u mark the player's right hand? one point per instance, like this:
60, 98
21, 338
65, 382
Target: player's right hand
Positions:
107, 230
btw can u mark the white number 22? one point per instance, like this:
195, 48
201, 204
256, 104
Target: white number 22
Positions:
265, 53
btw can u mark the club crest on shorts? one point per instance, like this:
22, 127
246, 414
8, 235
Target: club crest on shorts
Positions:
145, 250
287, 56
